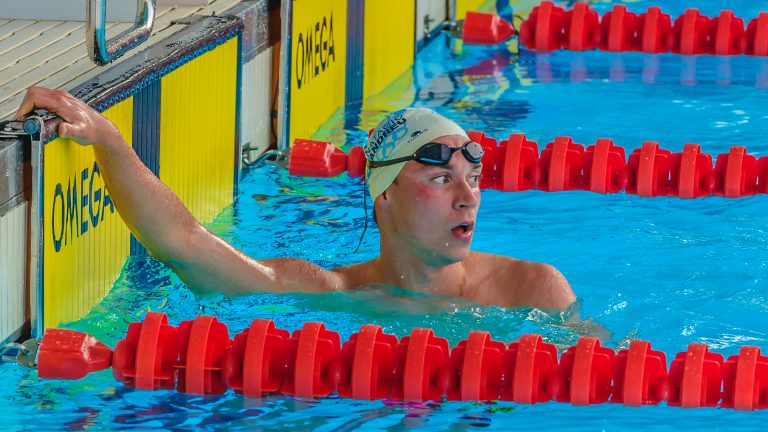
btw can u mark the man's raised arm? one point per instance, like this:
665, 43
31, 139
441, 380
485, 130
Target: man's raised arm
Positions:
159, 219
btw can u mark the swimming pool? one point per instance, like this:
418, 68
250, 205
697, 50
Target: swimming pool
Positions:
666, 270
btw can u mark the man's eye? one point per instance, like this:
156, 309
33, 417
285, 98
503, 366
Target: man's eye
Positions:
441, 179
475, 178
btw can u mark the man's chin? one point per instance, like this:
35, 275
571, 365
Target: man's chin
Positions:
454, 255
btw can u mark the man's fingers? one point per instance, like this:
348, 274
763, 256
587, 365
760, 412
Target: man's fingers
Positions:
64, 130
37, 97
80, 122
26, 106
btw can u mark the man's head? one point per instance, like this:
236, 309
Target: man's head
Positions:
424, 179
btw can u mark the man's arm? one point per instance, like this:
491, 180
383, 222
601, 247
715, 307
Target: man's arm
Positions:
159, 219
533, 284
548, 288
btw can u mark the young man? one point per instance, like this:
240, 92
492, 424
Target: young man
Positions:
424, 180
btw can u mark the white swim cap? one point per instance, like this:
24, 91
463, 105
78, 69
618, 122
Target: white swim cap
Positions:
400, 134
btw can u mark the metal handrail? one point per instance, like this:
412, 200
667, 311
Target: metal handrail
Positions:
103, 51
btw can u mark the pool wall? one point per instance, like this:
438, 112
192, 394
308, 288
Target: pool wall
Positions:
179, 114
178, 103
336, 54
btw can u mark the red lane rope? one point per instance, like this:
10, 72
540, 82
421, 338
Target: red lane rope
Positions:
515, 165
199, 357
549, 27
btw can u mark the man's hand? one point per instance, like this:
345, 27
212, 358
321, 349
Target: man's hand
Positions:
81, 122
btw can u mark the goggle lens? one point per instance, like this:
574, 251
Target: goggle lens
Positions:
440, 154
473, 152
437, 154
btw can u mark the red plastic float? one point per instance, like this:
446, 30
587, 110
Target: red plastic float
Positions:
70, 354
147, 357
543, 30
316, 159
311, 352
735, 173
485, 29
619, 30
756, 36
690, 33
476, 366
694, 378
356, 162
560, 165
255, 363
762, 175
518, 168
640, 373
369, 364
691, 173
652, 29
581, 28
605, 169
726, 34
585, 373
649, 170
419, 368
203, 344
529, 368
745, 380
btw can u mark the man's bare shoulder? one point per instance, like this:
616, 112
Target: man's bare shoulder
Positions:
354, 275
499, 267
516, 282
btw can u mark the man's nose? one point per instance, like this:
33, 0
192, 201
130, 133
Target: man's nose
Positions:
467, 196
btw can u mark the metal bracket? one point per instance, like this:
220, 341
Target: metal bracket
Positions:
28, 126
103, 51
278, 158
36, 298
26, 353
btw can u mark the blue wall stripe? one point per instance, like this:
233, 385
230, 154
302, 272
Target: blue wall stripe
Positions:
355, 37
286, 48
146, 138
238, 115
504, 9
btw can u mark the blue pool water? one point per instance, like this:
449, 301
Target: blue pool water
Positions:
666, 270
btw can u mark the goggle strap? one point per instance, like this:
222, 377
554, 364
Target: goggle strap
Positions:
378, 164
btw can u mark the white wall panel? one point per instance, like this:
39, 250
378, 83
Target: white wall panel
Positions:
436, 10
13, 254
256, 103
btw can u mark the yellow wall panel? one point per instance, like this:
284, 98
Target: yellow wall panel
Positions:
389, 42
463, 6
85, 241
318, 64
197, 131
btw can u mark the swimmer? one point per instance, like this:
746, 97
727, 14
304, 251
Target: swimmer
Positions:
424, 175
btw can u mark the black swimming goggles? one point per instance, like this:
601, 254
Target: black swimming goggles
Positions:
436, 154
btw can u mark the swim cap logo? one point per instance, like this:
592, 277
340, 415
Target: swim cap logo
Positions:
384, 139
417, 134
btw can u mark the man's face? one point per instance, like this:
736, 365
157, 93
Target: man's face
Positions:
432, 209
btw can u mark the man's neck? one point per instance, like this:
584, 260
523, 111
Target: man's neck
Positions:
412, 273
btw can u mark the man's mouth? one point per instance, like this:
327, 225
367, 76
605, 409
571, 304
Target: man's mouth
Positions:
463, 231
